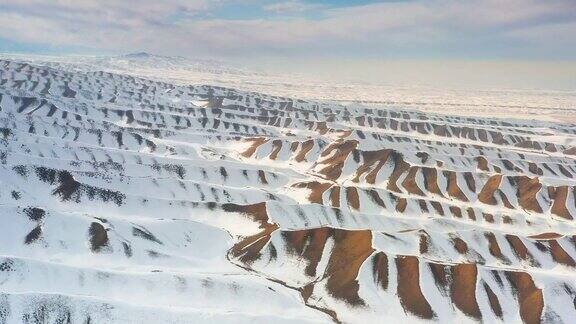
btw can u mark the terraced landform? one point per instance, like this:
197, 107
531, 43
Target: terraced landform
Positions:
127, 200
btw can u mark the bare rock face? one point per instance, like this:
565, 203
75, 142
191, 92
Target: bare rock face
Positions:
126, 198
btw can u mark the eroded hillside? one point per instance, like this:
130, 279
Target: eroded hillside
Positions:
129, 200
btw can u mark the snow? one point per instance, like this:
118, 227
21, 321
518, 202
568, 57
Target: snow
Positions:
129, 200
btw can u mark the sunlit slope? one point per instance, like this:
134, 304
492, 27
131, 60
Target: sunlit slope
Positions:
125, 200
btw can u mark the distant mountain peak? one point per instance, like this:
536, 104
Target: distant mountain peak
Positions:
138, 55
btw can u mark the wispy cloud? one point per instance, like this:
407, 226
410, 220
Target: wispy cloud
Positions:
291, 7
483, 28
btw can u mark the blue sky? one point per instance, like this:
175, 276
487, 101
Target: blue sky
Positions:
316, 29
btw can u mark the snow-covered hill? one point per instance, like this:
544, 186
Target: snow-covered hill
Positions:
541, 104
129, 200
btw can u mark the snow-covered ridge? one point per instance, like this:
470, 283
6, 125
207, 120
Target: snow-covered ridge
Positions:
129, 200
540, 104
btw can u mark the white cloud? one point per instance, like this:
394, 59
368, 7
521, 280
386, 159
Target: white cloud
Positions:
288, 7
171, 27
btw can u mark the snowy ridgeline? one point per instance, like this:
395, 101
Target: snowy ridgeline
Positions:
528, 104
126, 200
